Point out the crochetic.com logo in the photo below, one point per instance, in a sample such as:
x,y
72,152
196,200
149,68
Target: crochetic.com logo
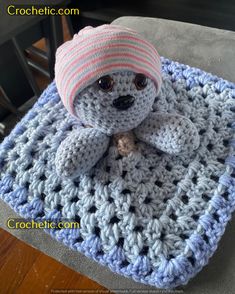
x,y
21,10
22,224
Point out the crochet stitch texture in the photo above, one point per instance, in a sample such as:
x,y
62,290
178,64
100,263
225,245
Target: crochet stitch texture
x,y
151,216
83,148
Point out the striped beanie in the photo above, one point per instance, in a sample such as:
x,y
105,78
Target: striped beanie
x,y
95,52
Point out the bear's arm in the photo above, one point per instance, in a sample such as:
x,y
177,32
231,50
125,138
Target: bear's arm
x,y
171,133
80,151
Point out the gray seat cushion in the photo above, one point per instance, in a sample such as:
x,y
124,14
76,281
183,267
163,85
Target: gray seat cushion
x,y
209,49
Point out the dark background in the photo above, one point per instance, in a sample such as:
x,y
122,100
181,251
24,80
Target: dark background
x,y
217,13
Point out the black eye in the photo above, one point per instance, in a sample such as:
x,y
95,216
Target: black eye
x,y
140,81
105,83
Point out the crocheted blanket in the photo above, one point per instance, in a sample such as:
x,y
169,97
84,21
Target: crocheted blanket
x,y
150,216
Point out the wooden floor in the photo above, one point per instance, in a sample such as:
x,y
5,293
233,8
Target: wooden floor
x,y
24,269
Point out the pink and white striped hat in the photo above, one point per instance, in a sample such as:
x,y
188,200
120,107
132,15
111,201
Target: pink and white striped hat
x,y
95,52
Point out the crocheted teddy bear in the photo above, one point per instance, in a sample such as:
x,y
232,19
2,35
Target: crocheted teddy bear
x,y
109,77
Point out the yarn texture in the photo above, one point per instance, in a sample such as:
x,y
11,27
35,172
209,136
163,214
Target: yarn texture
x,y
169,132
151,216
108,77
96,52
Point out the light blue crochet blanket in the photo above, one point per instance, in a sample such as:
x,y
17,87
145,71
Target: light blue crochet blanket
x,y
150,216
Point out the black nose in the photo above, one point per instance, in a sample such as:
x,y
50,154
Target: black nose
x,y
123,102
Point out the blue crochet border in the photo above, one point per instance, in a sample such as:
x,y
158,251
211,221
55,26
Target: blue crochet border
x,y
171,273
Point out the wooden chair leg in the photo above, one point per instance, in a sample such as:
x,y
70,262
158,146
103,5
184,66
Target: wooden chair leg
x,y
23,62
6,103
69,24
54,38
